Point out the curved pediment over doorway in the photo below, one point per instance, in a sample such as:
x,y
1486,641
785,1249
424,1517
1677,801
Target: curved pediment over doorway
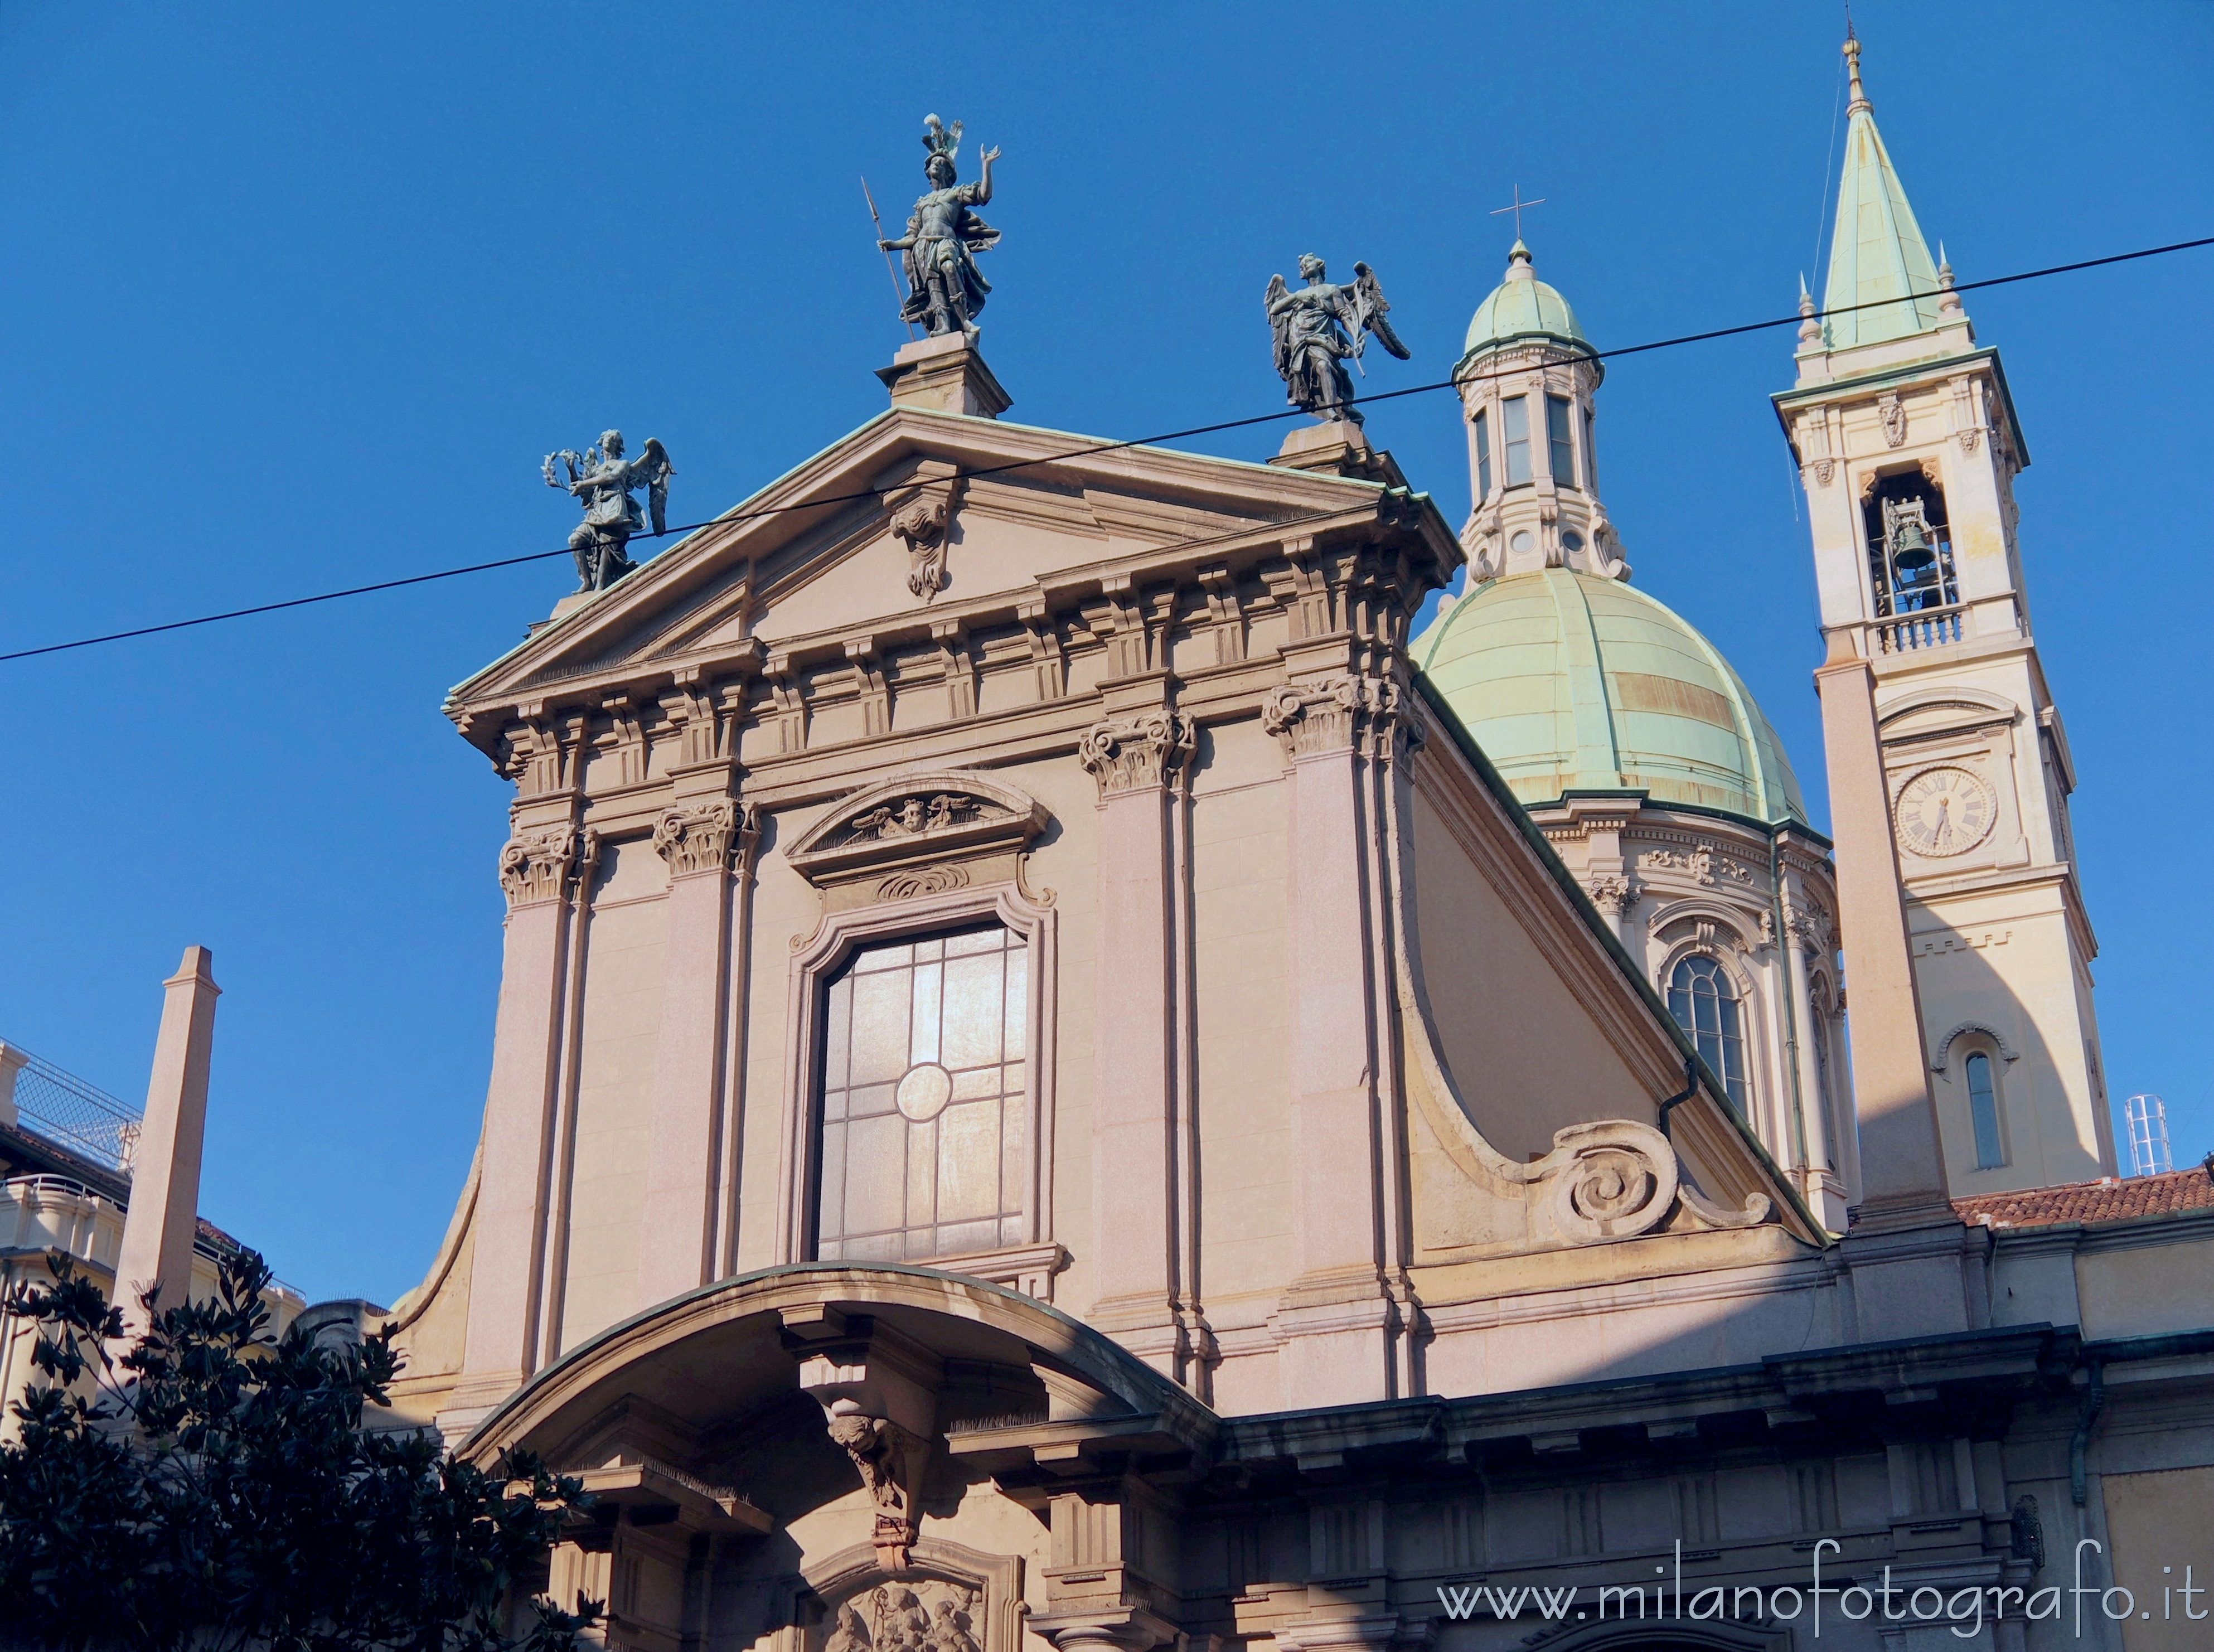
x,y
866,1448
994,1381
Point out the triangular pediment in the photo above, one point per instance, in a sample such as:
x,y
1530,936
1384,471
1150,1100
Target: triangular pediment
x,y
835,548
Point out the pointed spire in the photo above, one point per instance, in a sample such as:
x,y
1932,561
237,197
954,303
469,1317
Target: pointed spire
x,y
1810,327
1876,249
1519,265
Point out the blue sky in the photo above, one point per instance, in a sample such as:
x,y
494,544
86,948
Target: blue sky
x,y
297,297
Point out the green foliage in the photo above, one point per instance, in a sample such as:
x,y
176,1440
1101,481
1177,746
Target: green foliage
x,y
215,1487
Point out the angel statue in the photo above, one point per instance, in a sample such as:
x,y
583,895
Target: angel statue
x,y
604,481
946,289
1312,328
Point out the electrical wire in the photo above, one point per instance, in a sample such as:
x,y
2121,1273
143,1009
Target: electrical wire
x,y
1089,450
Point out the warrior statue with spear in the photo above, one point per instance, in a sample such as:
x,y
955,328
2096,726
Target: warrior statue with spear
x,y
946,289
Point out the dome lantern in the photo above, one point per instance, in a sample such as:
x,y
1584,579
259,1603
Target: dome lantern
x,y
1526,379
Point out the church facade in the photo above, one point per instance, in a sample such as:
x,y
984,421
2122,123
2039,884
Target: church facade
x,y
1064,1080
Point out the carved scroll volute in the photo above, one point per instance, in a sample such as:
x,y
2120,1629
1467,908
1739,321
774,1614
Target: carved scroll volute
x,y
1129,754
537,865
1328,714
921,515
704,836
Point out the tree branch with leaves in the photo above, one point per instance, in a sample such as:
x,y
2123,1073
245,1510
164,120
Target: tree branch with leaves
x,y
214,1486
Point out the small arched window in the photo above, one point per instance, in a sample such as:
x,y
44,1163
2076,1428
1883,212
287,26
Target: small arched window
x,y
1703,1000
1984,1110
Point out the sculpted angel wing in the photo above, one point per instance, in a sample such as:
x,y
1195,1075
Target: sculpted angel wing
x,y
654,469
1278,301
1369,298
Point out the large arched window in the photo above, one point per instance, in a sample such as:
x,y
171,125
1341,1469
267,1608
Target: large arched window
x,y
1984,1110
923,1099
1703,1000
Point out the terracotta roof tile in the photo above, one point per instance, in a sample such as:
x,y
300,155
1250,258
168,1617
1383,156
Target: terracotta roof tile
x,y
2109,1199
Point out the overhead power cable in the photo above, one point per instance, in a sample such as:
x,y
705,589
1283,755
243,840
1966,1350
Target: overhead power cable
x,y
1709,335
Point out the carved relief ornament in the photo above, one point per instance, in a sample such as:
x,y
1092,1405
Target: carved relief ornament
x,y
1128,755
1892,412
890,1460
701,837
918,834
922,519
1611,893
1328,714
536,865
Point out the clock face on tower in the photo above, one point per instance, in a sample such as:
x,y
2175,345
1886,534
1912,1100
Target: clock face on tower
x,y
1943,811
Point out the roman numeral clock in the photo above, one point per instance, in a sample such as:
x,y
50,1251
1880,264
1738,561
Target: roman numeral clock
x,y
1943,811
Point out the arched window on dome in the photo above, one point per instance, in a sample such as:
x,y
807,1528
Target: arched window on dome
x,y
1705,1001
1515,415
1560,442
1481,425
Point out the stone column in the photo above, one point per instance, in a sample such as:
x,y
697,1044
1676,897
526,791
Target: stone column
x,y
1336,1317
163,1220
1911,1276
1135,758
536,869
676,1243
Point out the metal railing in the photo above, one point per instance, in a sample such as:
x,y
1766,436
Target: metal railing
x,y
81,1117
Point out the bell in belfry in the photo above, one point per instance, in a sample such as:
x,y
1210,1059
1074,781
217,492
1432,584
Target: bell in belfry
x,y
1911,549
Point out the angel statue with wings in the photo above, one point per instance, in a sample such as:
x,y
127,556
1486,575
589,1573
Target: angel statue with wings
x,y
1321,326
946,289
602,480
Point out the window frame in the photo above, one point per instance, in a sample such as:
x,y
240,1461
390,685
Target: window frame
x,y
1740,998
1991,1155
829,951
1560,439
1480,425
1514,409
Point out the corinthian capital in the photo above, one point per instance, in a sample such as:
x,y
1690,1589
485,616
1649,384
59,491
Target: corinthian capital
x,y
1328,714
537,865
1128,755
700,836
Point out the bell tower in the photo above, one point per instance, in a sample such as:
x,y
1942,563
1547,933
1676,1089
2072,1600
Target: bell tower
x,y
1908,447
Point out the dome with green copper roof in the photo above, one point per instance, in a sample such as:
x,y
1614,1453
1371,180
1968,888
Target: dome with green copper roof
x,y
1572,682
1522,307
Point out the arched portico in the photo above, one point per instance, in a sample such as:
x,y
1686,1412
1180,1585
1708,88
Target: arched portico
x,y
897,1431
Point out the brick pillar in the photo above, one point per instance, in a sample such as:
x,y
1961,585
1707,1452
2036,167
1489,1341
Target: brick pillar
x,y
165,1170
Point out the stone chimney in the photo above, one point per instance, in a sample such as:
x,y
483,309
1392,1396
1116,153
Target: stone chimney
x,y
165,1175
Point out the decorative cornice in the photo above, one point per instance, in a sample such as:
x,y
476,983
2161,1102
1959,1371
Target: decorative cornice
x,y
1129,755
700,837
